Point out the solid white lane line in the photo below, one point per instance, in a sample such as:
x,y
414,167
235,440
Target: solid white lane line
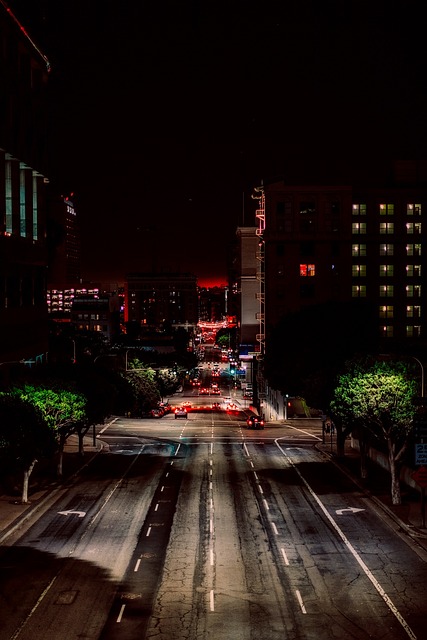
x,y
353,551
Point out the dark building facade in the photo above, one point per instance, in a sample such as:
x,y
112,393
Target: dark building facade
x,y
338,243
153,299
23,250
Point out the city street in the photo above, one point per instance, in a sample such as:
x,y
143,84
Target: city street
x,y
201,528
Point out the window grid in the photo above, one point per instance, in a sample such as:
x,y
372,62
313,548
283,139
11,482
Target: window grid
x,y
358,250
386,227
386,209
386,270
386,249
386,311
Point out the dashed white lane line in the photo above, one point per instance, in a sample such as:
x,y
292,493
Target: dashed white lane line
x,y
138,562
301,604
266,504
148,532
212,601
122,608
285,557
274,528
368,573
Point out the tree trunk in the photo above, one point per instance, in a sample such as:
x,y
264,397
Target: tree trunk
x,y
27,473
81,449
340,442
60,456
363,446
396,497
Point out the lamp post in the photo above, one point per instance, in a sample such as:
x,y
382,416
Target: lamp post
x,y
422,374
388,355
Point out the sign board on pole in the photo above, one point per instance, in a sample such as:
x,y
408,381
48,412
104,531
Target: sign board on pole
x,y
420,453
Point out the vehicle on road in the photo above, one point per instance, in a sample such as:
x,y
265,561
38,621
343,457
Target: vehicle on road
x,y
181,412
255,422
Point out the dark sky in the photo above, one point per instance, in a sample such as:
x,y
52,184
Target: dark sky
x,y
166,114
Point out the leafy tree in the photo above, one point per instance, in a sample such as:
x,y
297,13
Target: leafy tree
x,y
24,437
63,411
376,400
146,392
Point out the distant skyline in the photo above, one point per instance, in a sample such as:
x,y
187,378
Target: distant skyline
x,y
165,116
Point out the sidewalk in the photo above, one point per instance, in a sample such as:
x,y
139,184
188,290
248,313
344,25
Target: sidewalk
x,y
408,516
14,514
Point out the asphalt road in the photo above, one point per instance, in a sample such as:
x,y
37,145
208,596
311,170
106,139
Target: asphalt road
x,y
201,528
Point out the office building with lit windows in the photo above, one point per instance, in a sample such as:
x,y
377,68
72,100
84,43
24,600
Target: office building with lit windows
x,y
339,242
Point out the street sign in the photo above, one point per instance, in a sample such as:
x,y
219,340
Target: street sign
x,y
420,476
421,453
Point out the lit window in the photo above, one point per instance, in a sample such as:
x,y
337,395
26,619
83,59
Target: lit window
x,y
386,227
413,331
386,209
307,270
413,291
413,311
413,249
387,331
358,228
359,209
413,270
413,209
386,311
386,291
386,269
413,228
386,249
358,250
358,270
358,291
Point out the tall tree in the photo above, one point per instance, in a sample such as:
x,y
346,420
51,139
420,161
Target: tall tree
x,y
377,400
63,411
25,437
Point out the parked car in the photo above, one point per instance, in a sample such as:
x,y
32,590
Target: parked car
x,y
255,422
157,413
181,412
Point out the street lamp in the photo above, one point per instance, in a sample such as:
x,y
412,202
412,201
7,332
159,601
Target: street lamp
x,y
422,375
388,355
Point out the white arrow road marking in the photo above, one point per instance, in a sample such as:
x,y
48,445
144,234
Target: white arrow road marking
x,y
81,514
348,510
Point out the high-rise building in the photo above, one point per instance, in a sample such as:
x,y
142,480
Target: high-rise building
x,y
23,253
338,243
341,242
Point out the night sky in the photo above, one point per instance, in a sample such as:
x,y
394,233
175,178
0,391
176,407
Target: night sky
x,y
166,114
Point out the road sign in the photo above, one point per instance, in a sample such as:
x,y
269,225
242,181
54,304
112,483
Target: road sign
x,y
421,453
420,476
